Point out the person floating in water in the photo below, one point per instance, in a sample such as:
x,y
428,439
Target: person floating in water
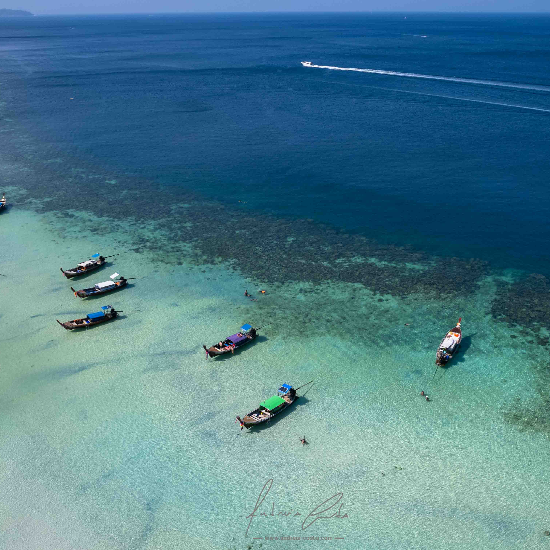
x,y
246,293
424,395
303,441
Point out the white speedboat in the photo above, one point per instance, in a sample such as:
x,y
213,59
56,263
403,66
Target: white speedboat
x,y
306,63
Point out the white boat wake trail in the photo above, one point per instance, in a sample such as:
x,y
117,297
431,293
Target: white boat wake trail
x,y
434,77
498,103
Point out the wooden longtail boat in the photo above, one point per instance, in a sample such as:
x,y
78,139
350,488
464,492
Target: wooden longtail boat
x,y
84,267
449,345
233,342
101,288
286,395
3,202
106,314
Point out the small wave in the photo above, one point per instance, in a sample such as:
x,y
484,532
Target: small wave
x,y
434,77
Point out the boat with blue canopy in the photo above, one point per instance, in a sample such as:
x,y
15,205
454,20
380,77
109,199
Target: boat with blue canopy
x,y
3,202
106,313
82,268
233,342
286,396
101,288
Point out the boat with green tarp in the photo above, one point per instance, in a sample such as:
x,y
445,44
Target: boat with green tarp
x,y
286,396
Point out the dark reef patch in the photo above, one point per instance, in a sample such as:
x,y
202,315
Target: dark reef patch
x,y
525,302
272,250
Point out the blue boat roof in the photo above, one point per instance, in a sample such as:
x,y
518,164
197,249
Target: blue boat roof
x,y
96,315
246,327
96,255
284,389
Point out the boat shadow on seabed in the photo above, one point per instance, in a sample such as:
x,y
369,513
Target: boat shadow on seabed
x,y
459,357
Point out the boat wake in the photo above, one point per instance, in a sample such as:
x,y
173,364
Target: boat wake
x,y
498,103
433,77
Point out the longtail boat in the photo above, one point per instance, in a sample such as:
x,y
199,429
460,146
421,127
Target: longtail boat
x,y
286,396
449,345
101,288
3,202
233,342
105,314
84,267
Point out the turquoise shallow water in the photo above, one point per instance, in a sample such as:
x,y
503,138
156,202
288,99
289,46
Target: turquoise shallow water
x,y
123,436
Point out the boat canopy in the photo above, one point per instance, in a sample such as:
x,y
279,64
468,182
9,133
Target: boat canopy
x,y
284,389
96,255
237,338
105,284
272,402
114,276
246,328
450,340
96,315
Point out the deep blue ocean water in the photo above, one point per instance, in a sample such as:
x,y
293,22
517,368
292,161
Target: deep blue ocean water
x,y
221,105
